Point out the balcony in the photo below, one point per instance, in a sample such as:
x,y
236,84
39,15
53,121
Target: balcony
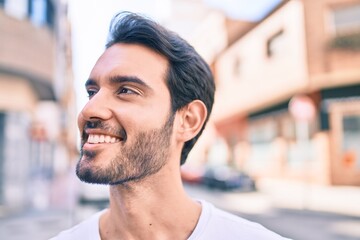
x,y
27,53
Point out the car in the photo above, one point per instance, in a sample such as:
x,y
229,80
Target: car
x,y
227,178
192,175
93,195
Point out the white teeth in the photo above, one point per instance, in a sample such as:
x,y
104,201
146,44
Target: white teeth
x,y
96,138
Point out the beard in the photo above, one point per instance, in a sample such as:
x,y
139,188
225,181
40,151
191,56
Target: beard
x,y
144,157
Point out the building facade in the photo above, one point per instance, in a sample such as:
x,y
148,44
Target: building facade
x,y
36,101
303,47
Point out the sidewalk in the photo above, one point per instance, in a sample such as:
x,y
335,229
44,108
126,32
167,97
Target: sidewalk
x,y
297,195
274,194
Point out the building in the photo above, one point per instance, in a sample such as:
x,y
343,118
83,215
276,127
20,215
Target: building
x,y
36,103
210,32
302,47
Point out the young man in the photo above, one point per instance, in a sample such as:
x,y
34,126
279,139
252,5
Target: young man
x,y
150,96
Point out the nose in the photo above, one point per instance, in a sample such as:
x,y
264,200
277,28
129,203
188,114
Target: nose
x,y
97,108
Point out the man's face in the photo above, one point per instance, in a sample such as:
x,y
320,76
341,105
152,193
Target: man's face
x,y
126,125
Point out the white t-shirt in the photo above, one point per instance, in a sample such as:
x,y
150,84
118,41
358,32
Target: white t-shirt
x,y
213,224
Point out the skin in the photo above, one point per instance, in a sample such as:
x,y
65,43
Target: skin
x,y
155,206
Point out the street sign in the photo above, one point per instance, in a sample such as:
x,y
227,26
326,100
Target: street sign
x,y
302,108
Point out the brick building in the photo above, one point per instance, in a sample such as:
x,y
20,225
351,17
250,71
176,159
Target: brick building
x,y
302,47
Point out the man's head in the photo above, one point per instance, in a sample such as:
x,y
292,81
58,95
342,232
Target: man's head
x,y
188,75
150,95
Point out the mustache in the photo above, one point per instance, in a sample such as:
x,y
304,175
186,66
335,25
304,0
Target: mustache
x,y
98,124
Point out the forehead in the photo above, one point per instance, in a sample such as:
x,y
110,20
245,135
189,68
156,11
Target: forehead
x,y
131,60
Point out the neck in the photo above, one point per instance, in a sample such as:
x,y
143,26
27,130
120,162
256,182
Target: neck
x,y
155,208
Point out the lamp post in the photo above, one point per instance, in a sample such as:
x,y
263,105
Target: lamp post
x,y
302,108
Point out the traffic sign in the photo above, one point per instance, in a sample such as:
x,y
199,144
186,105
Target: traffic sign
x,y
302,108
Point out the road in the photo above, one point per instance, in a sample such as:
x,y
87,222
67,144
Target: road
x,y
302,224
294,223
309,225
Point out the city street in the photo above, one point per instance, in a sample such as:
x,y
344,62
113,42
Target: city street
x,y
119,92
292,222
297,220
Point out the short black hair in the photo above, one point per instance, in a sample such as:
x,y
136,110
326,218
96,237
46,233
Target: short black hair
x,y
188,77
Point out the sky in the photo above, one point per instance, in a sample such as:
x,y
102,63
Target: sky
x,y
250,10
90,21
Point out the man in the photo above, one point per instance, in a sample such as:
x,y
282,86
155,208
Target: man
x,y
150,96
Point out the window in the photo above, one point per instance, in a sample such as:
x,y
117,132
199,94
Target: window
x,y
17,9
346,19
38,12
275,44
351,140
262,130
287,127
41,12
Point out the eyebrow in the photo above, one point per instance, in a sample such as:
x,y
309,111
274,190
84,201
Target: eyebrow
x,y
128,79
90,82
120,79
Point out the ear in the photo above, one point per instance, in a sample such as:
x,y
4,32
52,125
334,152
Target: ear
x,y
190,120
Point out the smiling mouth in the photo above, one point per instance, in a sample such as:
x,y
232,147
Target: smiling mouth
x,y
100,138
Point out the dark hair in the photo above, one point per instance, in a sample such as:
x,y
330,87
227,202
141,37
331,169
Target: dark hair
x,y
189,76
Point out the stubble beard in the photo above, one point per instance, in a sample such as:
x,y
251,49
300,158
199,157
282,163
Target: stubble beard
x,y
143,158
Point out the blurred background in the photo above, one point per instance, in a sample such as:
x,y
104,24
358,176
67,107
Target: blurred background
x,y
283,144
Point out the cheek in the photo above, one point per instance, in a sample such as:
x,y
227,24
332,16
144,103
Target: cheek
x,y
80,122
141,118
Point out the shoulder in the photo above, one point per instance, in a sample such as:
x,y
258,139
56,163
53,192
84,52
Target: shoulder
x,y
216,223
241,227
88,229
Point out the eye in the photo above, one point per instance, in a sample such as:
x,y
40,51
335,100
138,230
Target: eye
x,y
91,92
126,90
